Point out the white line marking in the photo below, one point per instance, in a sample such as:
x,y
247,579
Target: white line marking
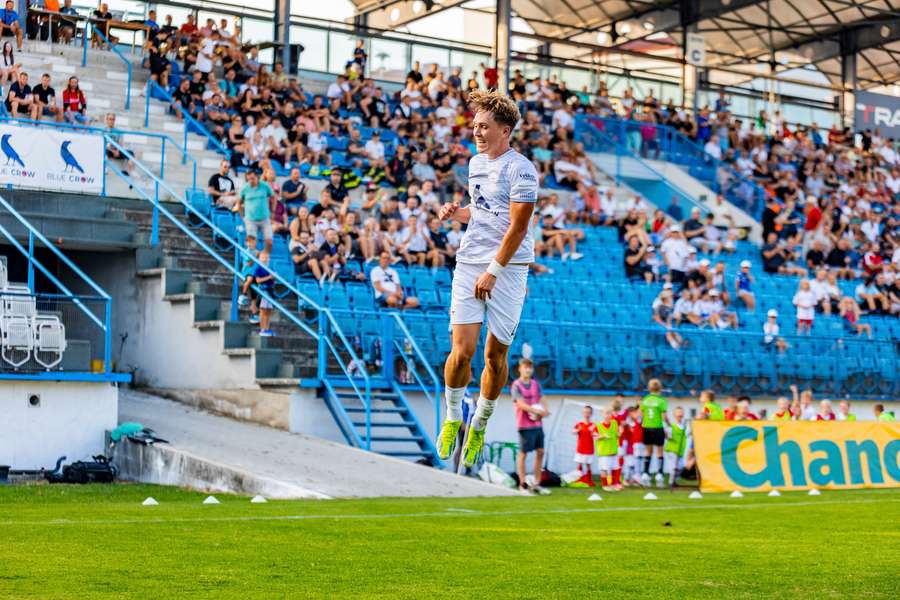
x,y
501,513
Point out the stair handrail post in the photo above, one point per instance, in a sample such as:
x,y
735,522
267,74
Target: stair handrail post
x,y
31,261
107,340
154,228
162,160
387,347
322,354
235,286
147,92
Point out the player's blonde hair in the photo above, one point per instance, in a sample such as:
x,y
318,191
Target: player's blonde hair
x,y
499,105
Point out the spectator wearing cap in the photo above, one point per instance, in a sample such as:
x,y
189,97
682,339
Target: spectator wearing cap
x,y
719,317
771,333
636,268
388,287
375,147
685,310
712,237
743,286
700,277
663,312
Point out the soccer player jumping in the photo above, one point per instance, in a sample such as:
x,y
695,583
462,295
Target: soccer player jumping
x,y
491,267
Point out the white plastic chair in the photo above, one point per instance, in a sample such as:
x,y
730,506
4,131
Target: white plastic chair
x,y
17,300
49,340
16,339
4,276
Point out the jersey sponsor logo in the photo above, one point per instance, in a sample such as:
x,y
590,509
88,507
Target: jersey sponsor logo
x,y
526,195
527,177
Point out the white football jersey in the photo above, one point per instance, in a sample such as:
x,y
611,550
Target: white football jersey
x,y
493,184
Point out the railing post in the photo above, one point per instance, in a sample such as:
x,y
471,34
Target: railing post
x,y
235,286
107,343
387,348
154,232
147,93
162,161
84,44
31,261
128,89
103,191
322,365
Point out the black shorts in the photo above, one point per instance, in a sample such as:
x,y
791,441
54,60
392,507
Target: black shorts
x,y
531,439
654,436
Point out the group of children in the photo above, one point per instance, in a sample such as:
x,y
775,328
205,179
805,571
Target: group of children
x,y
634,446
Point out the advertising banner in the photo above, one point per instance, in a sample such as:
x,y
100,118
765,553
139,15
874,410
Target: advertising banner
x,y
695,49
50,158
877,111
757,456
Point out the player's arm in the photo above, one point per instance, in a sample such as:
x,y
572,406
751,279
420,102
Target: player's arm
x,y
454,212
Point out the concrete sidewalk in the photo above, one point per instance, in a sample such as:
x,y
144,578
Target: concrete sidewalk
x,y
248,458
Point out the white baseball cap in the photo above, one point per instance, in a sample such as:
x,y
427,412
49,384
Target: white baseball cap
x,y
704,262
745,263
667,286
714,292
772,312
675,229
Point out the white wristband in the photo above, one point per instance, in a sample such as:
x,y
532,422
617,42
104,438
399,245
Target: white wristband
x,y
495,268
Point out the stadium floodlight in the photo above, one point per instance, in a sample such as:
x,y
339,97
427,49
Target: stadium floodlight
x,y
395,14
885,31
648,25
417,6
602,38
625,28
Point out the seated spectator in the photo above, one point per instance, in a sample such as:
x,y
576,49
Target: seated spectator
x,y
294,191
19,98
44,101
771,333
870,297
743,286
777,258
663,313
304,254
712,237
75,104
441,253
388,287
815,257
675,251
636,269
221,188
840,261
805,301
850,313
9,23
718,316
694,230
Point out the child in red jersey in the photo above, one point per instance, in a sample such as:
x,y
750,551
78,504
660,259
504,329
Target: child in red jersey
x,y
633,441
586,431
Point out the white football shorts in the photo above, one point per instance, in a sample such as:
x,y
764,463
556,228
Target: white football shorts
x,y
504,308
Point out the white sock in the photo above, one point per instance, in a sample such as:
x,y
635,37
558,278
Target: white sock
x,y
454,398
483,412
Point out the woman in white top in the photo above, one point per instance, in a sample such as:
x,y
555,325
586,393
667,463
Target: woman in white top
x,y
9,68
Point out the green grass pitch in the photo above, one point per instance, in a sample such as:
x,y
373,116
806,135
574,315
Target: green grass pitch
x,y
98,541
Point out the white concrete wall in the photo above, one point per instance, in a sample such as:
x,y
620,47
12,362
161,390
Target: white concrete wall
x,y
169,352
70,421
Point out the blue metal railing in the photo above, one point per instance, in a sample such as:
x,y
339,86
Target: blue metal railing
x,y
96,31
327,329
434,398
592,134
163,139
33,263
666,143
189,121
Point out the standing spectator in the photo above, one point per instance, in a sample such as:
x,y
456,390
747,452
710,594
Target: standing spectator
x,y
221,188
388,288
74,103
9,23
805,301
255,206
675,251
526,394
586,432
263,279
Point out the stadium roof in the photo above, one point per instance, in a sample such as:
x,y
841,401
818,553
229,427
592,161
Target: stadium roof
x,y
740,35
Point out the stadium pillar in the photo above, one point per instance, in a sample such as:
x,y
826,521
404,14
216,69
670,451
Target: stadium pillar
x,y
502,43
848,87
282,25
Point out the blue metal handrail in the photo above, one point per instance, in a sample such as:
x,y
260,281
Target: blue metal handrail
x,y
185,155
622,149
681,149
96,30
326,319
423,360
33,262
197,125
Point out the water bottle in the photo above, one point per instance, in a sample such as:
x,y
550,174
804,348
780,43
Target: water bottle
x,y
407,347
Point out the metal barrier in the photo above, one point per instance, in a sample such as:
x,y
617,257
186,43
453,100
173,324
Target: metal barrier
x,y
199,127
96,31
94,309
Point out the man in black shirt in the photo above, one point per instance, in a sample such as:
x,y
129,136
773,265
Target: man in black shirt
x,y
294,191
182,97
19,98
635,266
103,17
415,74
221,187
815,257
398,168
694,229
441,253
197,87
838,260
336,186
304,253
43,101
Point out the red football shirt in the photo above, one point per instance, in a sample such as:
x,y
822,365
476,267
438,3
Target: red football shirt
x,y
585,431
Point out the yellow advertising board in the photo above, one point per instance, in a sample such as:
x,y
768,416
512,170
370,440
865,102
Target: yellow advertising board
x,y
758,456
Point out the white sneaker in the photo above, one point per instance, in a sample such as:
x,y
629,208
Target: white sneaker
x,y
576,256
645,479
660,481
565,256
541,491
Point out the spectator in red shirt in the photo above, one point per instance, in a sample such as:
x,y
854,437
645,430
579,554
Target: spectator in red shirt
x,y
813,214
743,412
731,408
825,413
74,103
490,76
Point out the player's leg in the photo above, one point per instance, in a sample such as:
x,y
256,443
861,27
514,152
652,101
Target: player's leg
x,y
493,378
457,374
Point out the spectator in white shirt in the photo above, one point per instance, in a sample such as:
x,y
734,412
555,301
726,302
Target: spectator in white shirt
x,y
713,147
805,301
819,288
771,332
339,89
675,251
414,245
387,285
375,147
441,130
